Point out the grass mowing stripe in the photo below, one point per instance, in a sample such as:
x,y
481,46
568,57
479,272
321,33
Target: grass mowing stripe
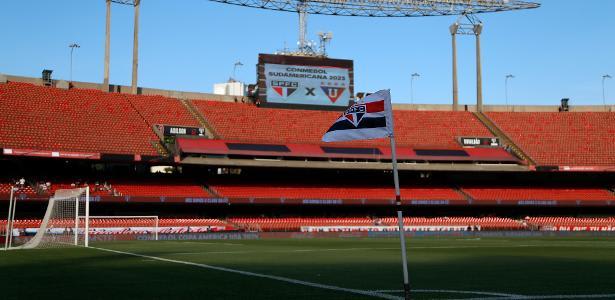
x,y
354,249
273,277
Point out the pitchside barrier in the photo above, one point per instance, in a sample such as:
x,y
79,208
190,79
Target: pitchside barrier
x,y
365,234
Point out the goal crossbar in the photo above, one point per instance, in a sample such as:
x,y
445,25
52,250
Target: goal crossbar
x,y
61,223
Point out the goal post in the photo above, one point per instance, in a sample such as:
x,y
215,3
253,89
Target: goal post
x,y
67,222
7,228
61,226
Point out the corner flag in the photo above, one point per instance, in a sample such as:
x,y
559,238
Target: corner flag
x,y
372,119
368,119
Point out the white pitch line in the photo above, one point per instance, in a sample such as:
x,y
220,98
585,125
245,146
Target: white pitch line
x,y
520,297
453,292
499,296
253,274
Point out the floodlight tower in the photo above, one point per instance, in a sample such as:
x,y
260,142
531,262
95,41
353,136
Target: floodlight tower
x,y
135,48
302,27
453,29
467,24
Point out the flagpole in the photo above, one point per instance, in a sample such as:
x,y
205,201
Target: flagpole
x,y
400,218
340,131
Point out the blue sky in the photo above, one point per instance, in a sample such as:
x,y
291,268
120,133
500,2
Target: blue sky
x,y
559,50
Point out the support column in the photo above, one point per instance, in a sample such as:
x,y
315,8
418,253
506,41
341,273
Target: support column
x,y
453,28
135,49
107,47
478,28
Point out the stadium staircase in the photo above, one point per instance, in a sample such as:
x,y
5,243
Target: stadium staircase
x,y
209,131
162,150
465,195
495,130
211,191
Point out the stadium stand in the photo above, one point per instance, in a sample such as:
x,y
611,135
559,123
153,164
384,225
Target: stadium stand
x,y
162,110
303,191
562,139
486,223
5,188
570,222
307,126
129,222
529,193
167,187
295,223
160,188
45,118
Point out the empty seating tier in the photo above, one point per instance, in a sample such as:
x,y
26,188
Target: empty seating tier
x,y
162,110
332,192
45,118
418,129
571,221
526,193
160,188
295,223
562,139
124,222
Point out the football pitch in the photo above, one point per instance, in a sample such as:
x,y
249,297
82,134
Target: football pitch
x,y
345,268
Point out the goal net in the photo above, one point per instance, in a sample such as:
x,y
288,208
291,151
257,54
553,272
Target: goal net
x,y
67,222
64,224
122,228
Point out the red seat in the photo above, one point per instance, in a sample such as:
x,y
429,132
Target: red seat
x,y
562,139
419,129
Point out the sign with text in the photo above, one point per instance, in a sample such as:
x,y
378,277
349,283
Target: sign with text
x,y
169,130
312,85
304,81
479,141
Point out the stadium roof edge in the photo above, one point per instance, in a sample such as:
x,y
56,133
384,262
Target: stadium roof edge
x,y
398,106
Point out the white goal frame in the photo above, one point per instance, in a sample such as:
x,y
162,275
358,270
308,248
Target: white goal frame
x,y
82,220
8,232
61,196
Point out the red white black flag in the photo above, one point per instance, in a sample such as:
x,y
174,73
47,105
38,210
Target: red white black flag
x,y
368,119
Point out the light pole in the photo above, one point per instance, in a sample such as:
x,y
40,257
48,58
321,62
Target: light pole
x,y
414,75
509,76
237,64
604,77
72,47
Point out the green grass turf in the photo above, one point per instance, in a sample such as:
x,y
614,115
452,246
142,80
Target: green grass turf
x,y
528,266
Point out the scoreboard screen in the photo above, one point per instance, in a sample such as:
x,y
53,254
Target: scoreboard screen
x,y
301,81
